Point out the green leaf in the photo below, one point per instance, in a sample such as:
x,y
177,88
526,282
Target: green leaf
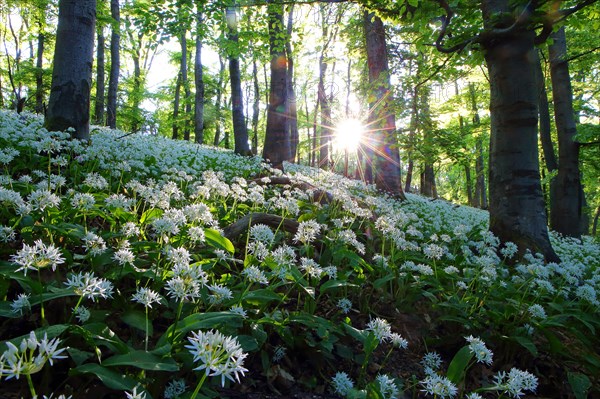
x,y
580,384
248,343
261,297
150,215
380,282
333,284
142,360
137,319
110,378
528,344
413,3
215,239
199,321
458,365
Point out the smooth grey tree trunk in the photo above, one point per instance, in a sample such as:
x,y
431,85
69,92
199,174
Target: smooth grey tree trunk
x,y
240,130
199,79
39,73
292,122
176,101
326,130
115,65
516,208
568,216
217,137
255,107
100,79
69,104
277,140
386,157
186,85
547,144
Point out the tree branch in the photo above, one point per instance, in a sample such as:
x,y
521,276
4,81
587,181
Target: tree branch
x,y
572,58
242,225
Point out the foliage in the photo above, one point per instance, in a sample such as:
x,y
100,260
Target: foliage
x,y
117,250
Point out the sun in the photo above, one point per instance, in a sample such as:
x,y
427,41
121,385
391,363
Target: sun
x,y
348,134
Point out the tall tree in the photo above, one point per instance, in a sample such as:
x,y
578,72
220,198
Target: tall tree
x,y
199,76
516,202
277,140
240,130
69,104
41,9
382,122
115,64
185,83
100,78
292,122
568,216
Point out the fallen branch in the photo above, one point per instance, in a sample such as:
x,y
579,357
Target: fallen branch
x,y
242,225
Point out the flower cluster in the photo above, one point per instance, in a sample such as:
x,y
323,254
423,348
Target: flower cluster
x,y
217,354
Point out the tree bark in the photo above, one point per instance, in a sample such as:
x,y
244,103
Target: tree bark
x,y
255,107
381,117
568,216
100,79
277,140
549,155
186,85
199,79
240,130
69,104
217,138
292,122
516,208
39,73
115,65
176,101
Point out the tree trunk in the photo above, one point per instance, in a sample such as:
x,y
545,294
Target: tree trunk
x,y
516,202
568,216
175,135
469,185
414,115
39,73
325,131
115,65
277,141
381,116
69,104
199,79
240,130
480,187
217,138
255,108
100,79
186,85
292,122
546,136
428,187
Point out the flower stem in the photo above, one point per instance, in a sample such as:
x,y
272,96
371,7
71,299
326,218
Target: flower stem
x,y
146,347
179,309
199,386
31,388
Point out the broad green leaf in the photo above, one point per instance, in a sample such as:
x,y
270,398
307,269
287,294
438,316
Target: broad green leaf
x,y
528,344
150,215
248,343
261,297
110,378
215,239
203,321
458,365
142,360
380,282
137,319
333,284
580,384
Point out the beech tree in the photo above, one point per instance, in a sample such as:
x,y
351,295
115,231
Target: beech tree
x,y
115,64
382,122
69,104
277,140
